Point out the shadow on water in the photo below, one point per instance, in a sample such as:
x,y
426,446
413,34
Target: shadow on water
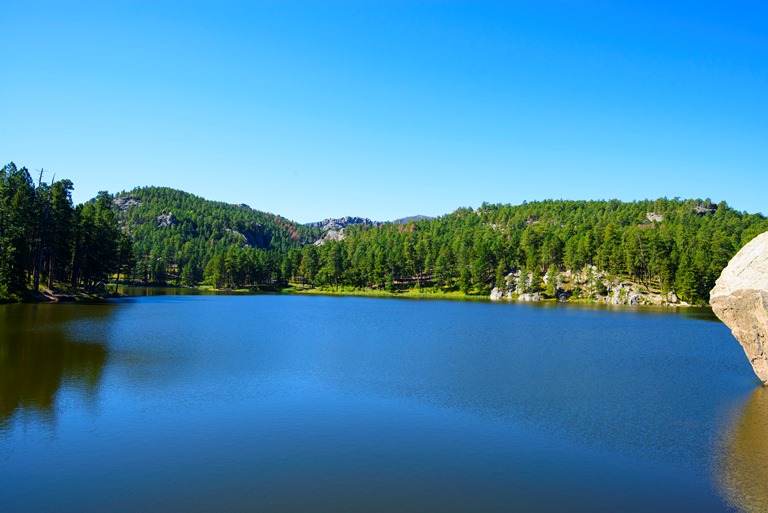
x,y
182,291
40,353
742,467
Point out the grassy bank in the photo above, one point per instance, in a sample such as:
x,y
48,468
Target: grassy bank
x,y
431,293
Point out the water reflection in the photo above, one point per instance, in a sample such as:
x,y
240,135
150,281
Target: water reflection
x,y
181,291
40,352
743,466
456,406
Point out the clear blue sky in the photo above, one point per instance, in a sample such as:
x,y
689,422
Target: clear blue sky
x,y
387,108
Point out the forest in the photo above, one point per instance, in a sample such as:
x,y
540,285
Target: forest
x,y
158,236
666,244
182,239
47,242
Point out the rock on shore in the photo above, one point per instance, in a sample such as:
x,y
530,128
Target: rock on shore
x,y
740,300
587,284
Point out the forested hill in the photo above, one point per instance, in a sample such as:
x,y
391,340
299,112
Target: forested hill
x,y
174,230
667,245
556,248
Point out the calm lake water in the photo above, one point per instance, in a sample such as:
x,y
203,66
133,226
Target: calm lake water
x,y
293,403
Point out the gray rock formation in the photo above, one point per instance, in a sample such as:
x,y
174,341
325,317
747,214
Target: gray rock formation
x,y
740,300
654,217
587,284
125,202
624,294
342,222
332,235
166,219
334,228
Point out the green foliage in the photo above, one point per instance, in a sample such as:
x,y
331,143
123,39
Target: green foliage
x,y
551,288
162,235
664,244
176,235
44,239
97,236
17,230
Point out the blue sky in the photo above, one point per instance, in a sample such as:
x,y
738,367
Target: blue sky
x,y
388,108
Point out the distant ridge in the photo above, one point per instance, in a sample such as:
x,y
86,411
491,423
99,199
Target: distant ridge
x,y
406,220
337,224
342,222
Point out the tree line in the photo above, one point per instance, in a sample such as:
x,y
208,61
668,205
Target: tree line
x,y
46,241
665,244
157,235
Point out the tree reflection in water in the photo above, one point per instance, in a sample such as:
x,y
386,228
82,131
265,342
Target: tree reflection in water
x,y
41,350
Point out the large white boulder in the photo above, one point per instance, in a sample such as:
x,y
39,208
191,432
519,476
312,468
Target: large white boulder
x,y
740,300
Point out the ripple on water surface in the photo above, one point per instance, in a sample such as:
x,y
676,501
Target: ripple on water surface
x,y
346,404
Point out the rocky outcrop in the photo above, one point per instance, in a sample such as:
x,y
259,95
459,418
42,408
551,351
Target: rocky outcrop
x,y
740,300
332,235
165,219
588,284
342,222
334,228
125,202
653,217
623,294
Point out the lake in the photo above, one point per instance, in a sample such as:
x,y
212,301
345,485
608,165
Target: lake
x,y
313,403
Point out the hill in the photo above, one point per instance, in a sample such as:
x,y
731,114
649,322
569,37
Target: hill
x,y
669,246
176,234
554,248
662,250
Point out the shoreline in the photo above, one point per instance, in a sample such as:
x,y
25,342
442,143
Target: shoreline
x,y
476,297
83,296
405,294
60,296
